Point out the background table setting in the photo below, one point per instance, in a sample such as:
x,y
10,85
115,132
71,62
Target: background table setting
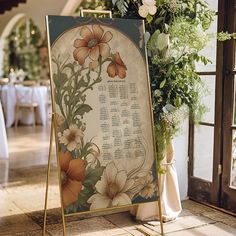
x,y
13,94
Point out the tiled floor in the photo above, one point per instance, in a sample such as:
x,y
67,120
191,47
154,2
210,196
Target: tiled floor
x,y
22,189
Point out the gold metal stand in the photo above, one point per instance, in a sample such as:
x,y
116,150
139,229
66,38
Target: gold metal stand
x,y
53,131
48,178
47,183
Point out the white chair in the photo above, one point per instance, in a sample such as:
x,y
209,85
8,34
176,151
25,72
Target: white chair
x,y
46,83
24,100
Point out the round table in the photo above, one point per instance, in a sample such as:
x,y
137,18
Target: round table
x,y
38,94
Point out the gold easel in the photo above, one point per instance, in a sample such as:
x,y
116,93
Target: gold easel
x,y
53,131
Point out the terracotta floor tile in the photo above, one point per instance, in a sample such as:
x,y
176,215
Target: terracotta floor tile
x,y
195,207
181,223
31,233
30,198
222,217
53,216
17,223
97,226
7,207
216,229
135,232
122,220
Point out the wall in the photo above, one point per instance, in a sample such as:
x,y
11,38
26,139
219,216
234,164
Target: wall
x,y
35,9
181,157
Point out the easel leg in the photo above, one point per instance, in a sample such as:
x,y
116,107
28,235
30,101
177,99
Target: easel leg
x,y
63,221
62,208
60,188
48,177
159,205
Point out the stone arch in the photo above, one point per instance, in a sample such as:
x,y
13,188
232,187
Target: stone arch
x,y
10,25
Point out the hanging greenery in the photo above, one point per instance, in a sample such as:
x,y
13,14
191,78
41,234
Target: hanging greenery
x,y
175,35
21,49
223,36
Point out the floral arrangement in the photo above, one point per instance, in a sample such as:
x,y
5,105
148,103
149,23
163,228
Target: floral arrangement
x,y
20,74
175,35
86,182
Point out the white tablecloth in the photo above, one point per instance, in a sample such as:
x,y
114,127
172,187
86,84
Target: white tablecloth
x,y
39,94
3,136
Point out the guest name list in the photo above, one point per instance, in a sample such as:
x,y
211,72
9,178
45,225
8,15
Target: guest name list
x,y
120,120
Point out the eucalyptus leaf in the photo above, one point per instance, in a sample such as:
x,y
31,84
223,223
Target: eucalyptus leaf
x,y
149,18
122,6
159,20
157,93
162,83
147,36
169,71
166,27
178,102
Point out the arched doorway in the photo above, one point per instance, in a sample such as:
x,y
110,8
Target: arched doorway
x,y
21,39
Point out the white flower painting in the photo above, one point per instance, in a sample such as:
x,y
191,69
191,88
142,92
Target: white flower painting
x,y
71,137
111,189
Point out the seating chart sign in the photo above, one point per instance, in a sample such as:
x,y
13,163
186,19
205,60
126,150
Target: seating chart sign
x,y
102,110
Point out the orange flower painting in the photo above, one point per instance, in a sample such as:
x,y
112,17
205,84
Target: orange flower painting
x,y
72,177
117,67
93,44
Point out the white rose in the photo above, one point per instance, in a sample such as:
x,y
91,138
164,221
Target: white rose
x,y
149,2
143,11
152,10
163,41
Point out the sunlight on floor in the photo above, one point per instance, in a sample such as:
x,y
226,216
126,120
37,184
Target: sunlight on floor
x,y
22,191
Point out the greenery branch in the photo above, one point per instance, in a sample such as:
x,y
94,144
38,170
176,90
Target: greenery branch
x,y
176,32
